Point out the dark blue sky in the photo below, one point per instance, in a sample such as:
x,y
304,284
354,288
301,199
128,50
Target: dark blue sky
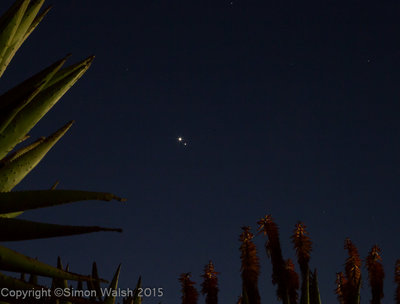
x,y
289,108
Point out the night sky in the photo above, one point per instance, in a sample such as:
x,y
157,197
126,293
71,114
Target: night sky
x,y
288,108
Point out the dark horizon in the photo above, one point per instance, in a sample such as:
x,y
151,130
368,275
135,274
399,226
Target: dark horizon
x,y
289,109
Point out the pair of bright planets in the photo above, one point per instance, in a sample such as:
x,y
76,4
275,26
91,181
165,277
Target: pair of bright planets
x,y
181,141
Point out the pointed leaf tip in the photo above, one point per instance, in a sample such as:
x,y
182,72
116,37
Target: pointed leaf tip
x,y
114,230
113,286
58,134
88,60
17,201
12,229
119,199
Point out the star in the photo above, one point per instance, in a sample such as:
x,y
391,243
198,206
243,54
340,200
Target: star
x,y
180,139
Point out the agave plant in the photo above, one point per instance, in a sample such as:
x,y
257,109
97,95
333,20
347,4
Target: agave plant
x,y
20,109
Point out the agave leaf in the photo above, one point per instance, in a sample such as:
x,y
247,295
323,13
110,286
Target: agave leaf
x,y
110,299
12,229
136,298
93,285
19,36
70,70
26,119
9,113
59,283
16,284
47,98
13,261
12,156
63,283
315,297
13,172
13,101
31,84
96,284
25,200
27,136
36,22
305,288
9,24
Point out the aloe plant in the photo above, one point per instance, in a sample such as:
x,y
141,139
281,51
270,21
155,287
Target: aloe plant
x,y
21,108
250,267
375,274
273,249
189,293
302,245
284,275
210,284
353,273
